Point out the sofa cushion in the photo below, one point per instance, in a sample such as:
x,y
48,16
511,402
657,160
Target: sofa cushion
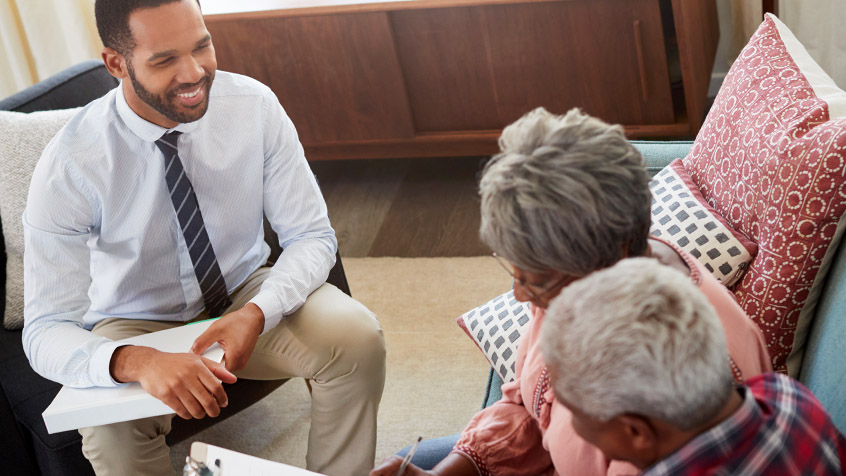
x,y
682,216
771,158
22,139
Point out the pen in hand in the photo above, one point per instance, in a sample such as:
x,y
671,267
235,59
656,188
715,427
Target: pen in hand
x,y
408,456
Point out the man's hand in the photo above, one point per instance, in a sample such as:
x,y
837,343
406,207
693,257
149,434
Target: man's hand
x,y
187,383
237,332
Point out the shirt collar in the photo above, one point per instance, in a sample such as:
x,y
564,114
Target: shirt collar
x,y
710,445
143,128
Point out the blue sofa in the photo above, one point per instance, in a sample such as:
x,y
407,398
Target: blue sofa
x,y
25,444
823,368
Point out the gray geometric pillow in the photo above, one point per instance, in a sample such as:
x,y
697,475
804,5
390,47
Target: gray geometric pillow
x,y
681,216
496,327
22,139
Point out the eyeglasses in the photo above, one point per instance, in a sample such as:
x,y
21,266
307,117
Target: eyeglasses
x,y
534,292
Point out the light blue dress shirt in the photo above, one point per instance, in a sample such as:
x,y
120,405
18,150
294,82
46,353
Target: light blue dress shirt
x,y
102,238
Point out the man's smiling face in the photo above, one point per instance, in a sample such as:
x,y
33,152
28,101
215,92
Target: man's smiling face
x,y
172,65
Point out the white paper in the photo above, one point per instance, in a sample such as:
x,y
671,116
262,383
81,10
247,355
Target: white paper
x,y
233,463
75,408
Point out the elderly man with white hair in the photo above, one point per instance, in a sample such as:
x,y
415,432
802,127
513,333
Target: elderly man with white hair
x,y
638,355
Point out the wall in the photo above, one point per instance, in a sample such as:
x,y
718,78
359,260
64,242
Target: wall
x,y
816,23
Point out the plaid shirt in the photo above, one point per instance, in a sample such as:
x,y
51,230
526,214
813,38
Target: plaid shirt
x,y
780,429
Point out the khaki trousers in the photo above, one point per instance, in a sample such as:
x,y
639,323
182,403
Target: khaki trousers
x,y
332,340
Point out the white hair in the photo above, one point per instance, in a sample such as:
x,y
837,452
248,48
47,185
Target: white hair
x,y
568,193
638,337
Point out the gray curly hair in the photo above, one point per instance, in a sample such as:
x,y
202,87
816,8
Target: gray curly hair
x,y
568,193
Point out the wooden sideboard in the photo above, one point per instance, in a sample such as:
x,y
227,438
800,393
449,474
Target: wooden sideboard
x,y
427,78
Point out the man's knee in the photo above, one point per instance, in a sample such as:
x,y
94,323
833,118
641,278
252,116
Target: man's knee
x,y
366,341
358,339
354,334
330,336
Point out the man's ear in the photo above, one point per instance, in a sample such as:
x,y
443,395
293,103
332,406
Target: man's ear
x,y
640,432
115,63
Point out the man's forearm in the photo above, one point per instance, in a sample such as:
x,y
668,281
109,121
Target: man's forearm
x,y
255,315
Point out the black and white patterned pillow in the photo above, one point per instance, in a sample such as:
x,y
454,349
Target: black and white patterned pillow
x,y
681,216
496,327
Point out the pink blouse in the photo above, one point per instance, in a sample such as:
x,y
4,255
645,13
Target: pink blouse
x,y
528,432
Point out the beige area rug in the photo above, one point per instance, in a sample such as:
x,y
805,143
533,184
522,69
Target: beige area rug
x,y
436,375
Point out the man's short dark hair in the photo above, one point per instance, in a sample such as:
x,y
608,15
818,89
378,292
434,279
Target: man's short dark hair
x,y
112,18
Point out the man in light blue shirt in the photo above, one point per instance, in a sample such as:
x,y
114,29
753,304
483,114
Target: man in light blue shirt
x,y
145,212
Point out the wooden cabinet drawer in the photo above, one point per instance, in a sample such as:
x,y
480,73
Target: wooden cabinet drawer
x,y
476,68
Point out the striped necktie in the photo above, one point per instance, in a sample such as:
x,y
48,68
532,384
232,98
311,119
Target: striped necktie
x,y
184,200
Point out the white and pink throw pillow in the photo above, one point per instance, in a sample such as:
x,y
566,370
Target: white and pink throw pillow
x,y
681,216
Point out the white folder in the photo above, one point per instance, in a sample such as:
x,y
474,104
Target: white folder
x,y
75,408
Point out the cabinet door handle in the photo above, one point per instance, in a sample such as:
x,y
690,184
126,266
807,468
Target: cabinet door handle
x,y
638,36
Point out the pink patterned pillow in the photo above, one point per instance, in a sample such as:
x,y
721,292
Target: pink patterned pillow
x,y
771,158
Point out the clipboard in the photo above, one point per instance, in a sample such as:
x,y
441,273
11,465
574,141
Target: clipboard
x,y
199,451
233,463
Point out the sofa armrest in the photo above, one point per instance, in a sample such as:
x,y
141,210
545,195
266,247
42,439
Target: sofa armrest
x,y
72,87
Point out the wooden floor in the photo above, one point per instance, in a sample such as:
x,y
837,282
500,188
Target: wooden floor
x,y
404,207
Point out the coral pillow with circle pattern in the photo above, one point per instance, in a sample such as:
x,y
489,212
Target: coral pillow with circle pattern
x,y
771,159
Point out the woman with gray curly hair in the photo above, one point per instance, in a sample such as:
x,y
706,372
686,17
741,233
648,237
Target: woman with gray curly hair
x,y
566,196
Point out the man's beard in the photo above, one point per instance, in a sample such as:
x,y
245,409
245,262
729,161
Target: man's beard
x,y
166,104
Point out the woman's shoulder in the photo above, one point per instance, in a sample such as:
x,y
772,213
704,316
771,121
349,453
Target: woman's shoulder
x,y
731,314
